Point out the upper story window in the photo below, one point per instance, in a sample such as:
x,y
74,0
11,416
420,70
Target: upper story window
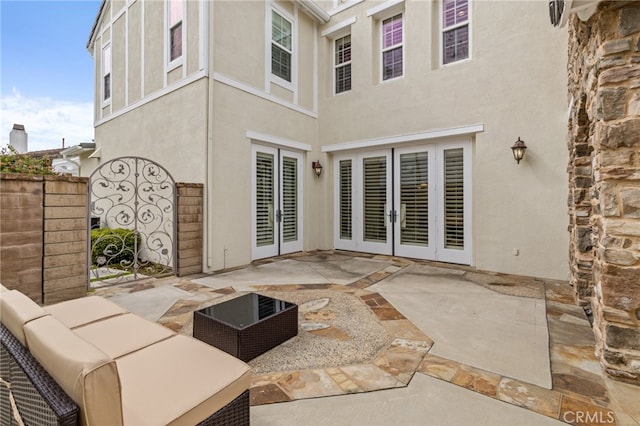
x,y
281,46
392,46
106,73
175,29
342,63
455,30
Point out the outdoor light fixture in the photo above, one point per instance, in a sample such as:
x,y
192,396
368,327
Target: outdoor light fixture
x,y
518,150
317,168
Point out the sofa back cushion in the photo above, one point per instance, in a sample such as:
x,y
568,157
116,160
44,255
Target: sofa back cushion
x,y
86,374
16,310
85,310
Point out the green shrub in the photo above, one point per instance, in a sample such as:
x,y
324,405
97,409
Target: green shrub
x,y
13,162
113,247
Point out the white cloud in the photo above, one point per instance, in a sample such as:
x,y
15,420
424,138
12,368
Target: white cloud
x,y
46,120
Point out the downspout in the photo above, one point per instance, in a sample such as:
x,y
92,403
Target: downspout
x,y
209,145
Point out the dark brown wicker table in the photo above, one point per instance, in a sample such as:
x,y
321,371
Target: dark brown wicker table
x,y
246,326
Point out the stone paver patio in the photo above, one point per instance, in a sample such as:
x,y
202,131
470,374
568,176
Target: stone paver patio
x,y
568,386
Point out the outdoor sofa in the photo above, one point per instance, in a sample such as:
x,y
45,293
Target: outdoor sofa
x,y
90,362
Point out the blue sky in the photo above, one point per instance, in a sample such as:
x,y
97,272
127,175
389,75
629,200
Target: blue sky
x,y
46,72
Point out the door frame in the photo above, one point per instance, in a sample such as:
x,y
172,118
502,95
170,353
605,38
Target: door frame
x,y
436,250
279,246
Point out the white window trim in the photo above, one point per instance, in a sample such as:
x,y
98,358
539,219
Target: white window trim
x,y
408,138
340,29
402,45
106,102
386,9
171,65
442,29
277,141
270,77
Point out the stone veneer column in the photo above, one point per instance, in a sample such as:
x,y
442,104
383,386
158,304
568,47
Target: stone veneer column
x,y
189,256
604,180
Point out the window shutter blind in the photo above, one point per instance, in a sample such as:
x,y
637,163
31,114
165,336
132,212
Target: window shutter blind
x,y
264,199
345,199
453,199
414,199
375,199
289,199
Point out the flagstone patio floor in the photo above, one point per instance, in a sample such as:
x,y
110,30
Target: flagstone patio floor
x,y
441,344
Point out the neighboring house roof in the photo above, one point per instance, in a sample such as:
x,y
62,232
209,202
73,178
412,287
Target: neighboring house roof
x,y
51,153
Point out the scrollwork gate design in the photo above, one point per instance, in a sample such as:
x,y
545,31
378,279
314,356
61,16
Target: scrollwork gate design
x,y
132,221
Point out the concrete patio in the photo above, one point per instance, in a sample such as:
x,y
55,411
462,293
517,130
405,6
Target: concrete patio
x,y
462,347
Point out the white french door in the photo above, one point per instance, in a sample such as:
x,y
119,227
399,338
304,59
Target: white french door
x,y
276,202
416,205
414,202
363,198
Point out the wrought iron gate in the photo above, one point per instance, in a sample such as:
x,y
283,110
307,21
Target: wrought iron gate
x,y
132,221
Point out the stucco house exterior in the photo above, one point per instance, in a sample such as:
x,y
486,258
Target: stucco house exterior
x,y
410,107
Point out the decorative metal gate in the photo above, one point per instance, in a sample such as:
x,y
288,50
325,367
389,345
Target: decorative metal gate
x,y
132,221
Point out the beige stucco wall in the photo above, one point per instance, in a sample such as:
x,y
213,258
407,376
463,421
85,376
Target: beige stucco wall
x,y
514,84
234,113
240,54
170,130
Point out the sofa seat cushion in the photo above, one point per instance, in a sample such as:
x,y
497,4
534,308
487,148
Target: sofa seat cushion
x,y
179,381
16,310
86,374
123,334
77,312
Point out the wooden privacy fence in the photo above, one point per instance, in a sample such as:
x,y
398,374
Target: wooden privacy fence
x,y
44,234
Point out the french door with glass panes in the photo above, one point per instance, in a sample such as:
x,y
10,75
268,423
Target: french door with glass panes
x,y
412,202
276,202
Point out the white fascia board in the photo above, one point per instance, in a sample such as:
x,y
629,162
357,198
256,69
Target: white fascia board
x,y
278,141
400,139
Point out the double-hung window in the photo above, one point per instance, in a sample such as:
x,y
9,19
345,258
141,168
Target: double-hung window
x,y
106,73
455,30
392,47
281,46
175,29
343,63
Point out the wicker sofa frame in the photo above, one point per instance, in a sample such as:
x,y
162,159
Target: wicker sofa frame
x,y
40,400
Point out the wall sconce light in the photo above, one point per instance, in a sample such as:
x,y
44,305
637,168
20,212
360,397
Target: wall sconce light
x,y
518,149
317,168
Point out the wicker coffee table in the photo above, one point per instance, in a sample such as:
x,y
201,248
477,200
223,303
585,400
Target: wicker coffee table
x,y
246,326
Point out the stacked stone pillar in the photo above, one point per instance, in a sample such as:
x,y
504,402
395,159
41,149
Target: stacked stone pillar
x,y
604,179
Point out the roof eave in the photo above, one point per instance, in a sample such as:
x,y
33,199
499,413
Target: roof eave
x,y
95,25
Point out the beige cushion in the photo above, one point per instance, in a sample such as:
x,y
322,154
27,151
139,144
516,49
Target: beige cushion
x,y
179,381
3,288
16,310
123,334
85,373
85,310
